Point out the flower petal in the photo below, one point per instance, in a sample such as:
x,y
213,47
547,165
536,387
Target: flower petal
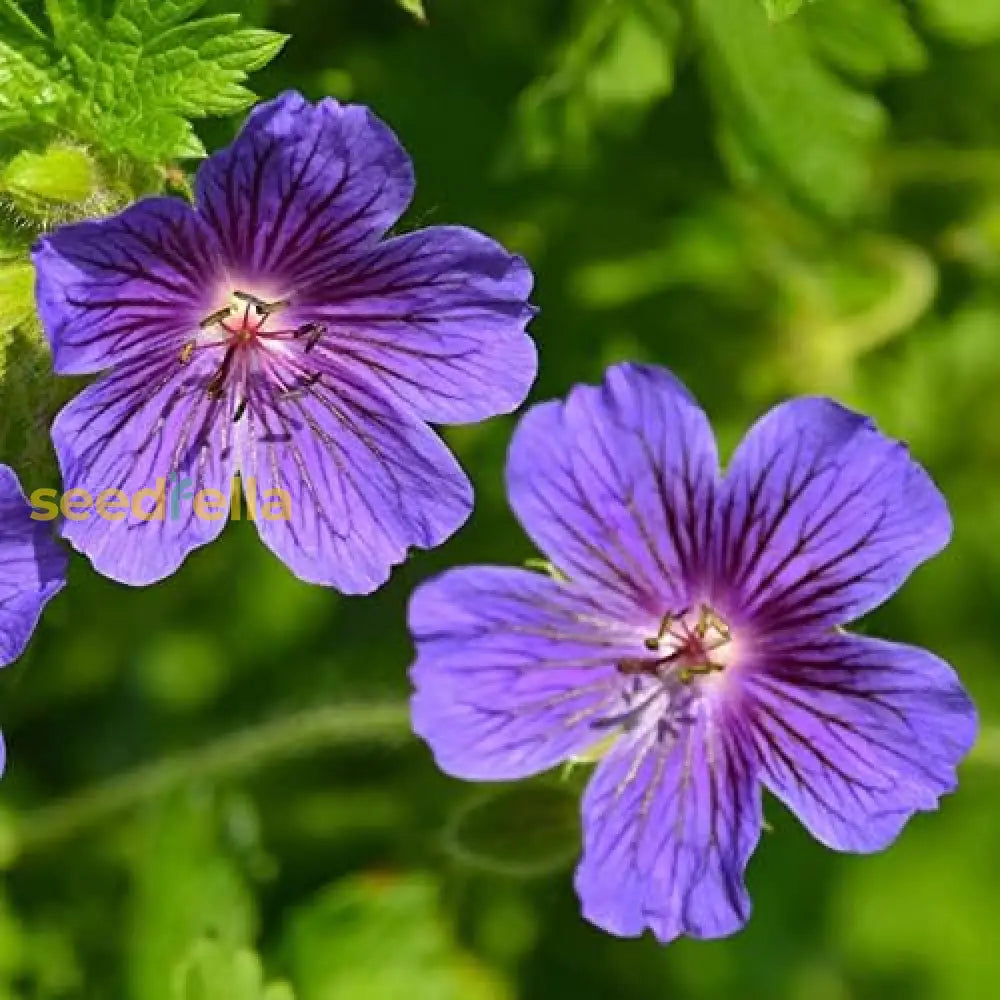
x,y
822,517
144,424
364,480
513,670
438,316
855,735
302,187
615,486
670,820
32,569
116,289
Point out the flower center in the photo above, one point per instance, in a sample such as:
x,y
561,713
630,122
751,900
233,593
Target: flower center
x,y
685,653
686,646
239,330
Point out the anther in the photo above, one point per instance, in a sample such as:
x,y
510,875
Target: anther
x,y
312,332
688,674
302,388
217,317
263,307
186,352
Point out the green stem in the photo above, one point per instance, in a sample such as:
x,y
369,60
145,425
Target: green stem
x,y
941,165
238,754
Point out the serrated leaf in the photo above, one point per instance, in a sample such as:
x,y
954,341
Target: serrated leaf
x,y
784,116
29,90
143,70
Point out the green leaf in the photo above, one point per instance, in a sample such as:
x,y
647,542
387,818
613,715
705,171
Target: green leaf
x,y
615,64
144,70
778,10
29,89
382,938
214,970
29,393
783,115
17,283
186,887
414,7
867,38
967,22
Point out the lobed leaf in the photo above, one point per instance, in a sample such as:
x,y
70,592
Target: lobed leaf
x,y
143,70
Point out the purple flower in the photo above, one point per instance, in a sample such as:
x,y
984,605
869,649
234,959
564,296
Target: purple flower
x,y
272,330
689,638
32,569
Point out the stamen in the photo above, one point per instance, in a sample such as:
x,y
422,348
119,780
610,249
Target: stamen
x,y
240,330
627,719
216,387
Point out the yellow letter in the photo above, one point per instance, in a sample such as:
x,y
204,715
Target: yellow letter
x,y
112,505
210,505
250,491
159,495
44,500
284,502
236,500
76,504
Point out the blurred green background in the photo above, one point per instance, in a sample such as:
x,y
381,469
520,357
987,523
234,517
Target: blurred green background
x,y
211,791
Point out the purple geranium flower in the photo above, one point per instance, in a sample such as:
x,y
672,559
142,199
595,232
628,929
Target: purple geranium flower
x,y
272,330
32,568
689,638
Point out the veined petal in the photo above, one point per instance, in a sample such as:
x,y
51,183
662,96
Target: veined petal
x,y
438,317
616,485
670,819
147,426
514,670
822,517
303,187
364,478
118,289
32,569
855,734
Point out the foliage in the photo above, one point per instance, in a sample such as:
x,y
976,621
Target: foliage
x,y
770,197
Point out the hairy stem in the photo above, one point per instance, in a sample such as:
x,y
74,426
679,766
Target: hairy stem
x,y
238,754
